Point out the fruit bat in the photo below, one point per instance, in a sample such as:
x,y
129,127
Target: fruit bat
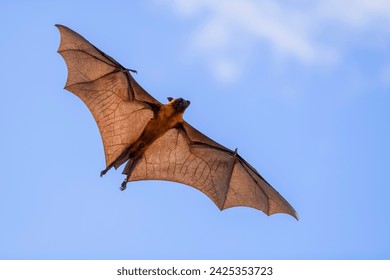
x,y
153,139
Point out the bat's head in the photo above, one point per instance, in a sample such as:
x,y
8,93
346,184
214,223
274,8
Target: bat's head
x,y
179,104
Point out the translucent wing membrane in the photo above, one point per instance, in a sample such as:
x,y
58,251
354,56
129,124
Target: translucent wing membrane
x,y
219,173
118,104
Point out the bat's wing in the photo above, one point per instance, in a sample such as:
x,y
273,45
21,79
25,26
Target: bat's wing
x,y
120,106
187,156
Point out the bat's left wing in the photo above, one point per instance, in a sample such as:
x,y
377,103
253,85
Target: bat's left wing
x,y
120,106
185,155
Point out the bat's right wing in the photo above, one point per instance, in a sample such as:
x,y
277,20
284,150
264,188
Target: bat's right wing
x,y
187,156
120,106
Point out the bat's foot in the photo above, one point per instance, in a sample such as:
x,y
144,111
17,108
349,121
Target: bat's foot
x,y
103,172
123,185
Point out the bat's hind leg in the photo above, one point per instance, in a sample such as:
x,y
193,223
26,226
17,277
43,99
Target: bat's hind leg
x,y
128,170
124,156
124,183
118,162
103,172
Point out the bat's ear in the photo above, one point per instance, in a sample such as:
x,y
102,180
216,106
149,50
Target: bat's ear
x,y
169,99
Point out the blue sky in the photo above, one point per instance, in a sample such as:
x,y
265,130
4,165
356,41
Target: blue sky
x,y
302,89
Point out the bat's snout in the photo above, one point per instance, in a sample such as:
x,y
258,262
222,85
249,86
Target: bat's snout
x,y
183,103
180,104
186,103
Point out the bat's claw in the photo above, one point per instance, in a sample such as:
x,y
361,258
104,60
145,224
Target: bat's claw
x,y
132,70
123,185
103,172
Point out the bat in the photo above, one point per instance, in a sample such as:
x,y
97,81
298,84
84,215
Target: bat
x,y
152,139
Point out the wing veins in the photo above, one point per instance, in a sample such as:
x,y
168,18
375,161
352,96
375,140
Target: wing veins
x,y
92,81
116,65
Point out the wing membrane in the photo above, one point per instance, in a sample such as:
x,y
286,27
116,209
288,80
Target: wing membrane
x,y
121,108
216,171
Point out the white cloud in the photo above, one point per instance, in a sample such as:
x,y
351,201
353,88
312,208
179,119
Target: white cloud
x,y
355,13
297,30
225,70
